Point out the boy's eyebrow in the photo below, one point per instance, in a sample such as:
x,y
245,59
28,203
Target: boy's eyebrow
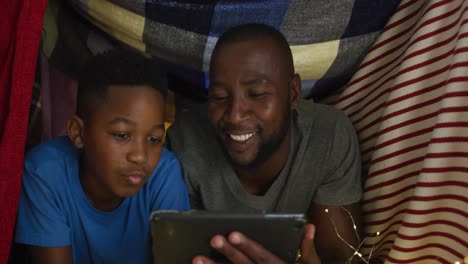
x,y
130,122
159,126
121,120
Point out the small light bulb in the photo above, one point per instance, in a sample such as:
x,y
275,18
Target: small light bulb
x,y
378,233
326,210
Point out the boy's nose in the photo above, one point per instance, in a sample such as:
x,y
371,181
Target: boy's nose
x,y
137,153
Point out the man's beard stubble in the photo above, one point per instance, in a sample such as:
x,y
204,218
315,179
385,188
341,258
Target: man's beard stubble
x,y
267,148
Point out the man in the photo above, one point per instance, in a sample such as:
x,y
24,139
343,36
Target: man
x,y
273,153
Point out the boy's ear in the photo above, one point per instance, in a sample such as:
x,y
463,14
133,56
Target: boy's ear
x,y
75,131
295,94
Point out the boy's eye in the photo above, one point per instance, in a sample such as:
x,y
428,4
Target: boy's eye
x,y
154,140
121,136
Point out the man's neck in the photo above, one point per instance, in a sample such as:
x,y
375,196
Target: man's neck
x,y
258,180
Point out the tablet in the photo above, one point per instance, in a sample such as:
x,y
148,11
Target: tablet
x,y
177,237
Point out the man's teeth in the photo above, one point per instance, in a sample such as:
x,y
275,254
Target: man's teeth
x,y
241,138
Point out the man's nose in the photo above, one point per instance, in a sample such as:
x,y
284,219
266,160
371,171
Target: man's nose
x,y
237,110
138,151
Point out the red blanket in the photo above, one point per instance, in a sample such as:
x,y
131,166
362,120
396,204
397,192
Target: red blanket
x,y
20,31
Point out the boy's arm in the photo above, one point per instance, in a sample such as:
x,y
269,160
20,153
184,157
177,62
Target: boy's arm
x,y
51,255
41,222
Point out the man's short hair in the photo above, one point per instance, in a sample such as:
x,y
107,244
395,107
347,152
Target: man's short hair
x,y
256,31
116,67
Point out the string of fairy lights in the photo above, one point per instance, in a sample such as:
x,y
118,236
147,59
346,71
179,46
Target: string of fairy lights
x,y
357,249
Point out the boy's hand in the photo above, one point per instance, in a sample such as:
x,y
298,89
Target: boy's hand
x,y
240,249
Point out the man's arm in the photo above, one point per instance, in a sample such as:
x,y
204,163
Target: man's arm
x,y
51,255
338,232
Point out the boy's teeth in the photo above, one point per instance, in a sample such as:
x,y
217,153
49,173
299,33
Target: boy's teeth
x,y
241,138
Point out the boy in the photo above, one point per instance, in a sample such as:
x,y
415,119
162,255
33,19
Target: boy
x,y
87,198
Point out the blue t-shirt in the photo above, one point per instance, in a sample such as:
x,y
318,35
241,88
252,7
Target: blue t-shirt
x,y
54,211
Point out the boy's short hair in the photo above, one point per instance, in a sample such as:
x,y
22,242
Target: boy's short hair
x,y
116,67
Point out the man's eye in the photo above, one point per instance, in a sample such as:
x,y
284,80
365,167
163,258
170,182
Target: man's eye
x,y
154,140
217,98
121,136
257,94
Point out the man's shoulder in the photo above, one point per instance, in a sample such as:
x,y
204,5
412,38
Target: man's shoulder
x,y
191,125
320,116
191,137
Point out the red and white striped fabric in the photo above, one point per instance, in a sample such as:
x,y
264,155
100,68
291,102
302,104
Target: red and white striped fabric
x,y
409,104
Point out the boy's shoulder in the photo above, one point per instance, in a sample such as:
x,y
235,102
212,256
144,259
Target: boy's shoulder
x,y
52,149
52,159
166,161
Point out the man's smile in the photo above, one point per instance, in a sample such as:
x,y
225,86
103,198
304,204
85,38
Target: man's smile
x,y
241,138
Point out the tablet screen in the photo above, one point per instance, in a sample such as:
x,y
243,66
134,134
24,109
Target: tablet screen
x,y
177,237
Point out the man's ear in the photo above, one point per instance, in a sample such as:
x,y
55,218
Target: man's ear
x,y
295,94
75,131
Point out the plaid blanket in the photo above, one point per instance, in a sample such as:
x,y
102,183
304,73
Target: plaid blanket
x,y
328,38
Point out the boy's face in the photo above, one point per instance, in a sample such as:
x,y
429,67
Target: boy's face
x,y
122,142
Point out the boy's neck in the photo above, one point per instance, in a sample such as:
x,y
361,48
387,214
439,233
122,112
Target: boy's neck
x,y
96,194
102,203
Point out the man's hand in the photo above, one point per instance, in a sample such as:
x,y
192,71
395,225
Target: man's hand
x,y
240,249
308,253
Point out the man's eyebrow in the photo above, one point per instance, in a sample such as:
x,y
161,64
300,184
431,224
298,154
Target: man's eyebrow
x,y
254,81
216,83
247,82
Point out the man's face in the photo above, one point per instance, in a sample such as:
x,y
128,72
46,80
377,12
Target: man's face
x,y
249,100
123,140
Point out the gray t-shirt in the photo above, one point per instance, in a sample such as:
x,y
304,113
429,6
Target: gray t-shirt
x,y
323,164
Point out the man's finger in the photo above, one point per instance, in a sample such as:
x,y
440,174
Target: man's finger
x,y
202,260
233,254
252,249
308,253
